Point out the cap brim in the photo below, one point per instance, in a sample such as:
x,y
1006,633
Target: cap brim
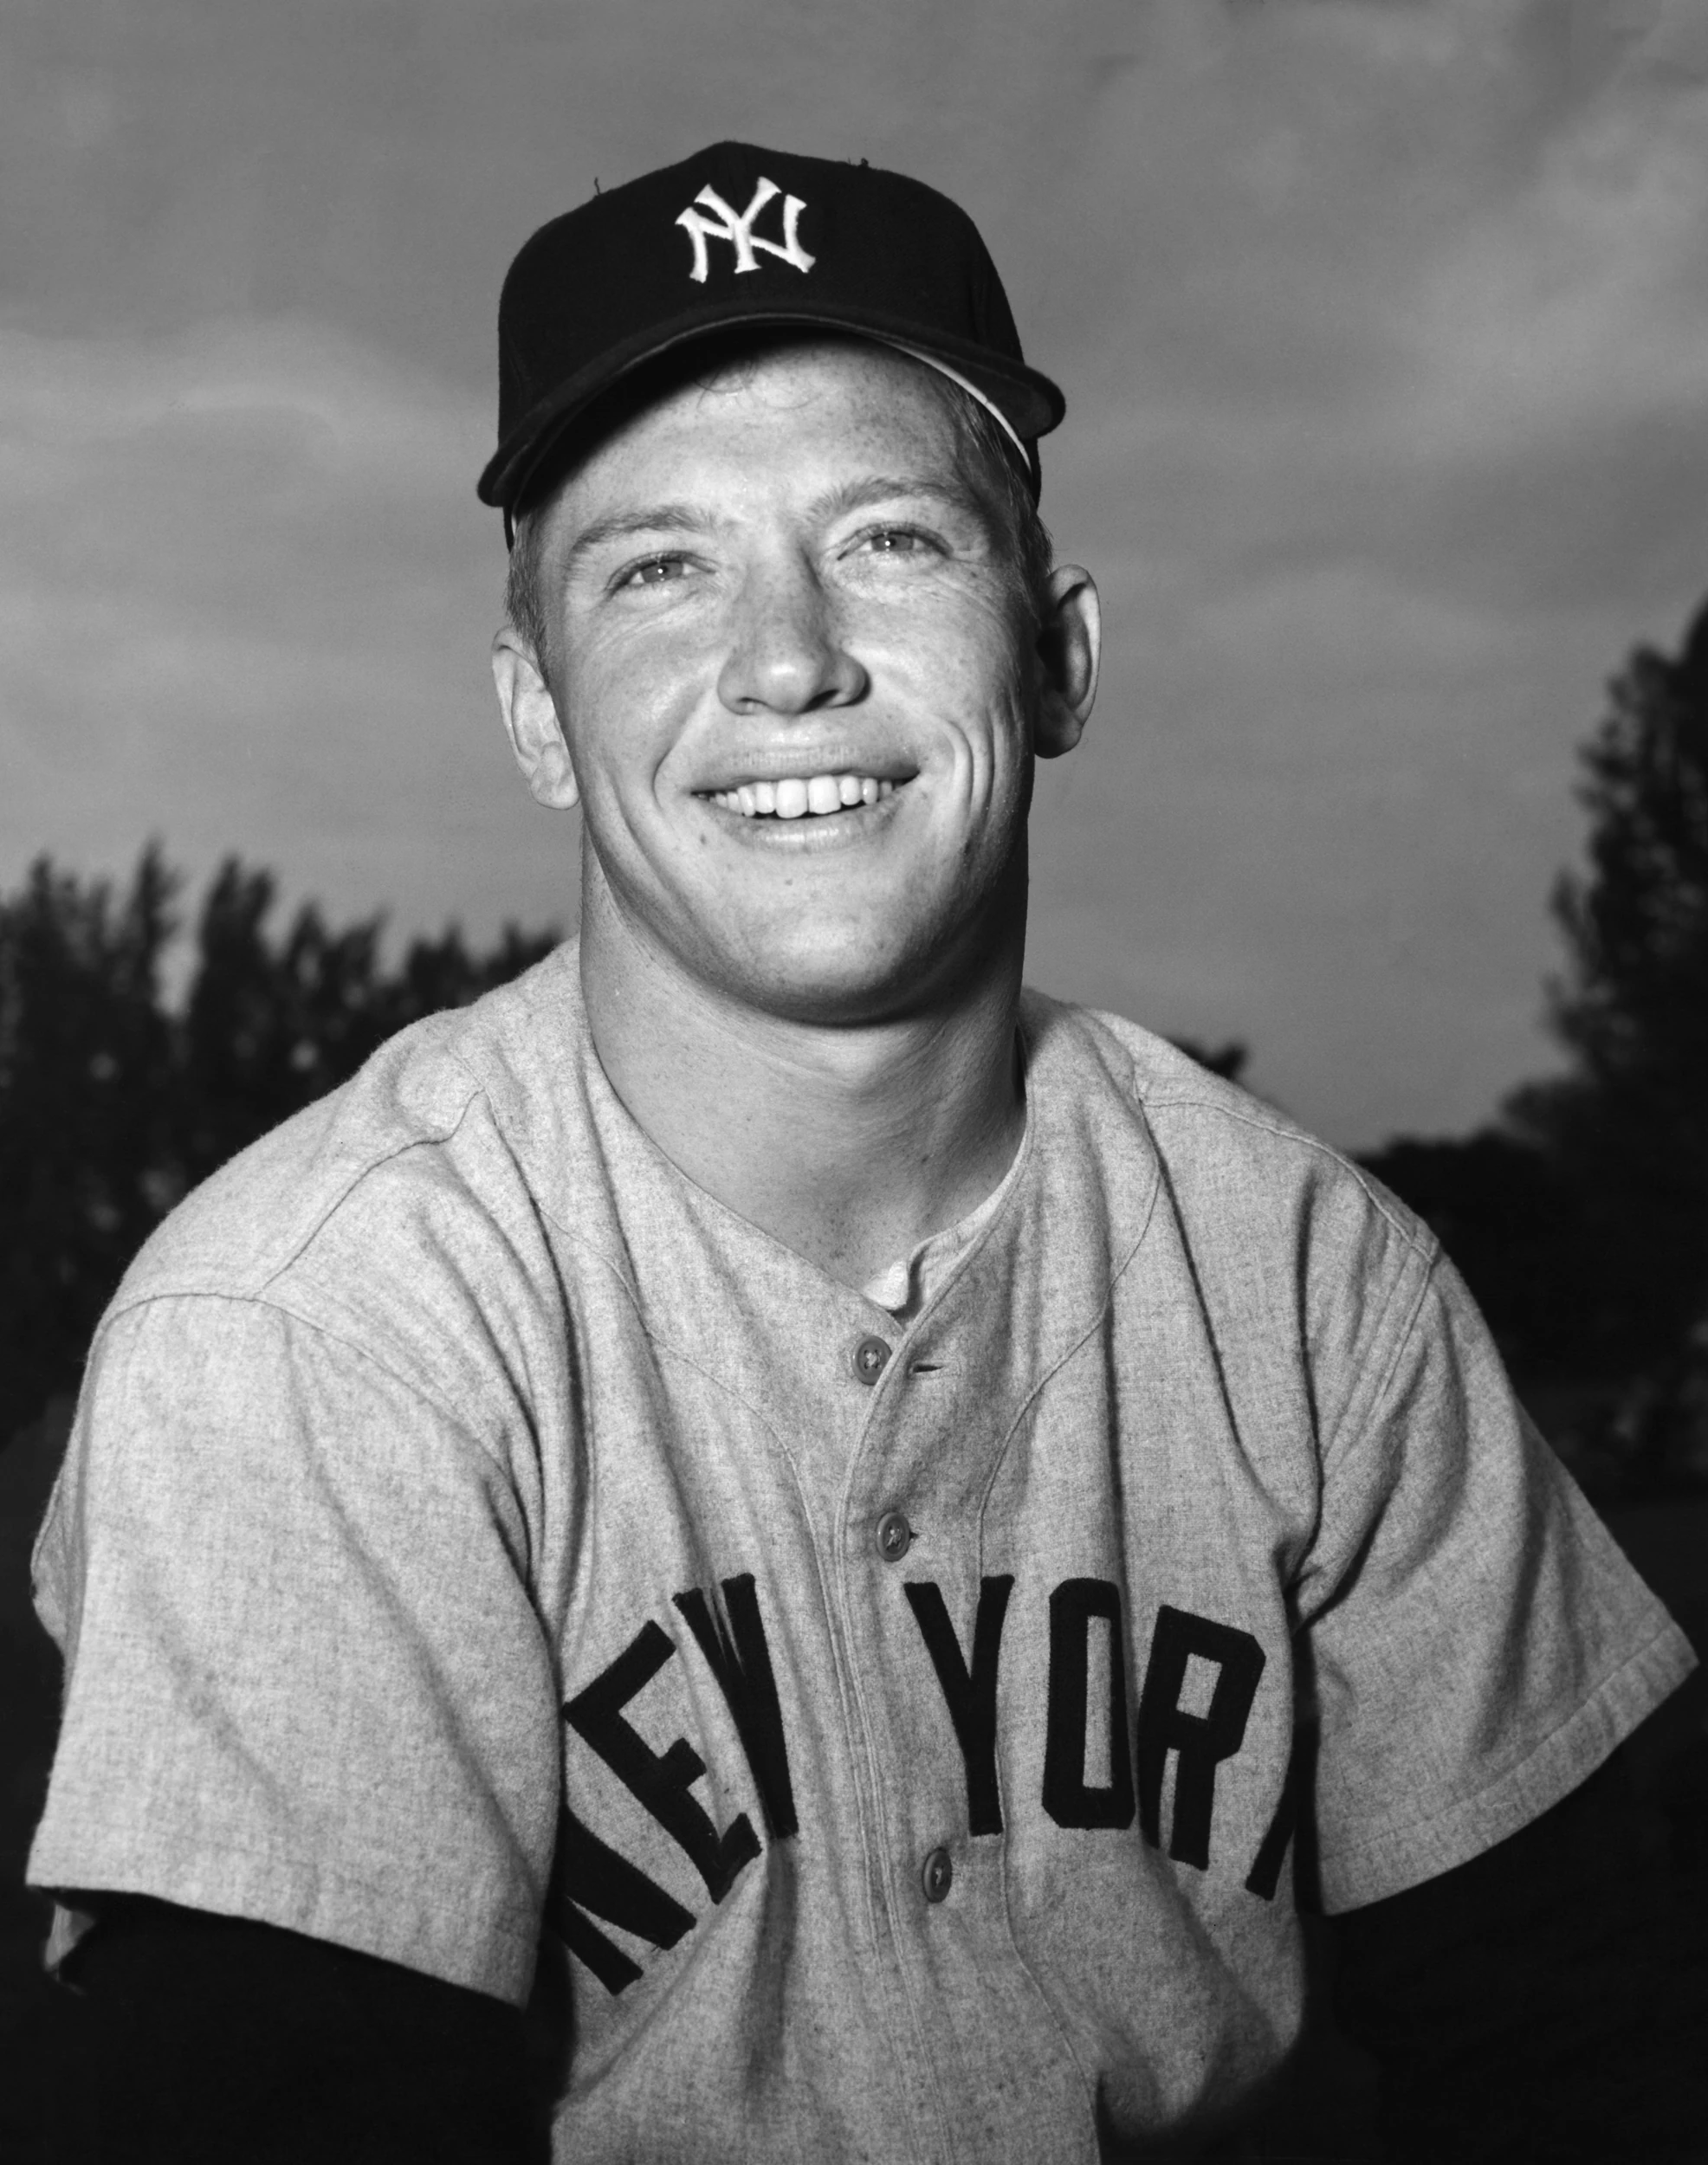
x,y
1029,401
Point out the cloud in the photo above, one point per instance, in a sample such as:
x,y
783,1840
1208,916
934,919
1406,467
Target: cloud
x,y
248,593
1382,328
1389,455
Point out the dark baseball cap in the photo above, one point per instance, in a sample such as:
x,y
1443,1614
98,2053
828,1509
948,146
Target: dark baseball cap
x,y
736,235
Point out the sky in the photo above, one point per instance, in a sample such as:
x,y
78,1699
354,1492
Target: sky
x,y
1383,326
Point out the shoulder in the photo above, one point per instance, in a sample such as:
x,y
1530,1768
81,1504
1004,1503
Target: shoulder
x,y
1229,1160
366,1294
1304,1264
407,1192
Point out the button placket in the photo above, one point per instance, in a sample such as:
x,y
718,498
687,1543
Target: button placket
x,y
869,1358
894,1536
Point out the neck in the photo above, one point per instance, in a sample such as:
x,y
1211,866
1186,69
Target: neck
x,y
847,1143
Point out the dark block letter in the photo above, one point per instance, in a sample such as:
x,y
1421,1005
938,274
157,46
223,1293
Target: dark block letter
x,y
585,1875
740,1661
1067,1798
661,1783
970,1694
1264,1875
1203,1740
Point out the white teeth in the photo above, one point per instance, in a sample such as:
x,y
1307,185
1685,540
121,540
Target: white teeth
x,y
796,796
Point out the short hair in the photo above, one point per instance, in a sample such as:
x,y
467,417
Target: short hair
x,y
987,452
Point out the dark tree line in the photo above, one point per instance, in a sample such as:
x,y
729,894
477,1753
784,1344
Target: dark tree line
x,y
1580,1217
115,1101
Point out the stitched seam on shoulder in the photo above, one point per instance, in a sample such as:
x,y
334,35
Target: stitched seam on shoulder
x,y
1428,1251
372,1166
271,1306
1362,1406
1428,1246
1104,1036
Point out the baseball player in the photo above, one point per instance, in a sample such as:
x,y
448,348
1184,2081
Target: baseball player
x,y
765,1546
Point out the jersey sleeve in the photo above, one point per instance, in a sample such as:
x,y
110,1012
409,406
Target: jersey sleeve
x,y
1475,1642
306,1683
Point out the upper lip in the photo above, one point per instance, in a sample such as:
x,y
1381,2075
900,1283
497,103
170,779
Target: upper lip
x,y
782,762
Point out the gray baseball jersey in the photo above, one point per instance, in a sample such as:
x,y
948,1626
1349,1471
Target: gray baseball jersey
x,y
891,1738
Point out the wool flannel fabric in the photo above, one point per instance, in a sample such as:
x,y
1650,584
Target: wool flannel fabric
x,y
479,1547
736,236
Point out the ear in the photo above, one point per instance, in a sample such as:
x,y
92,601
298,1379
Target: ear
x,y
1070,647
531,721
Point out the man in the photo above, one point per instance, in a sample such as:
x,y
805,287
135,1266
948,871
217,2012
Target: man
x,y
850,1538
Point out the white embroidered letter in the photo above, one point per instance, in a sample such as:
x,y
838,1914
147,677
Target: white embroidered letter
x,y
738,230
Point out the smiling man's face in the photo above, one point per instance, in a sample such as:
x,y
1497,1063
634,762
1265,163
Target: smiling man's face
x,y
798,685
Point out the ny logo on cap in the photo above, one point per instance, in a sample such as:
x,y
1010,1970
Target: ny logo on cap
x,y
738,230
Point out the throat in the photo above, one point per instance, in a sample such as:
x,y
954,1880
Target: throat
x,y
884,1242
848,1144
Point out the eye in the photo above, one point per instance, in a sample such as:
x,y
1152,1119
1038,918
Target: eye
x,y
898,542
653,570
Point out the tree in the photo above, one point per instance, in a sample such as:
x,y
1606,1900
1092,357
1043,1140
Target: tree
x,y
1580,1219
1629,1126
112,1104
1637,1014
86,1061
1499,1207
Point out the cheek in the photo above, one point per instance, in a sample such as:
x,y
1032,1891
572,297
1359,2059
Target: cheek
x,y
984,706
622,715
967,664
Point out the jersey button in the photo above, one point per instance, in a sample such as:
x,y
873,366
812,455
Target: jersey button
x,y
869,1358
895,1537
938,1875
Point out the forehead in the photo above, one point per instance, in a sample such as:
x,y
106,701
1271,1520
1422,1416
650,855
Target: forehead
x,y
854,400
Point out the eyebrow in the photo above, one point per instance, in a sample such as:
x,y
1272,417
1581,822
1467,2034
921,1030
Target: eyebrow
x,y
622,525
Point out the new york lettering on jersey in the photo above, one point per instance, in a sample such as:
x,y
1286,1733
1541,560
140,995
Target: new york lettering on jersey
x,y
1199,1684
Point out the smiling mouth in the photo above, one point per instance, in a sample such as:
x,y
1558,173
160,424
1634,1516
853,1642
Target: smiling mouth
x,y
802,796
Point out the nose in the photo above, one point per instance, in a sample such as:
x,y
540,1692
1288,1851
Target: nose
x,y
786,652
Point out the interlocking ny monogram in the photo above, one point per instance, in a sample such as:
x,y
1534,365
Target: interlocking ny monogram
x,y
738,230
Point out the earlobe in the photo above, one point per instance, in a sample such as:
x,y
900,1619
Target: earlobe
x,y
1069,647
531,722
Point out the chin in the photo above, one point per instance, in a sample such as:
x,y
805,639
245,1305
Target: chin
x,y
846,995
850,980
